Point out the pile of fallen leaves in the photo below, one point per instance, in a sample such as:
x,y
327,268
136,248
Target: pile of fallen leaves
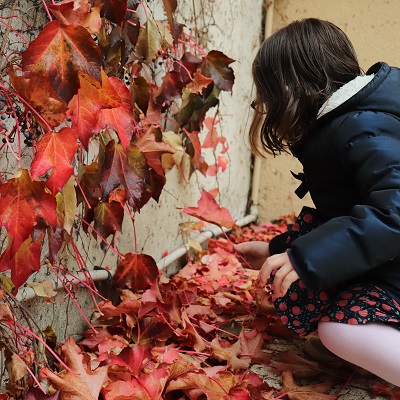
x,y
193,336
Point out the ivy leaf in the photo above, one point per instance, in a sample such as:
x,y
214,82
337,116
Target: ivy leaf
x,y
194,150
84,384
215,65
171,88
77,12
39,94
127,168
141,90
85,107
43,288
152,37
194,108
55,152
199,82
135,271
22,262
22,203
59,53
115,10
223,351
108,219
210,211
120,118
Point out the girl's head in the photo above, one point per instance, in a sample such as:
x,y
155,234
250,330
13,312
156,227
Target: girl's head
x,y
295,71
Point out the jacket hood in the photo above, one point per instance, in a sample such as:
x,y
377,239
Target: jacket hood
x,y
381,93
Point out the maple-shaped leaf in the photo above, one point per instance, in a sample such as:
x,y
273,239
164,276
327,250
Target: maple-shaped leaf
x,y
199,82
212,139
153,36
135,271
310,392
83,384
55,152
40,95
77,12
108,219
223,351
115,10
214,387
120,118
215,65
22,203
60,53
23,262
85,107
210,211
127,168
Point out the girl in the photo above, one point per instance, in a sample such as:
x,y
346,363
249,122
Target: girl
x,y
338,269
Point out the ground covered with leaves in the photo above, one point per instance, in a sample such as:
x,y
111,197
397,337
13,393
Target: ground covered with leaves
x,y
205,333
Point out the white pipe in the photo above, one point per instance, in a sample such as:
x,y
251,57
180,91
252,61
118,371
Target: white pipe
x,y
27,293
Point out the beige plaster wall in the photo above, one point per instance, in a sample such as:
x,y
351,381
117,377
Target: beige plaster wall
x,y
373,27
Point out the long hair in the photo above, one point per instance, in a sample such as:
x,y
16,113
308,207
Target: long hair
x,y
295,71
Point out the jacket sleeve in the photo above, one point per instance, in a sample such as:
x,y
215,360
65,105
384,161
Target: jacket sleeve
x,y
368,145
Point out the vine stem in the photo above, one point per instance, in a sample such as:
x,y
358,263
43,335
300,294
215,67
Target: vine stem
x,y
113,249
47,10
75,302
45,345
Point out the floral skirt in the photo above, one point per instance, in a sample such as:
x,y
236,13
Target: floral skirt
x,y
352,303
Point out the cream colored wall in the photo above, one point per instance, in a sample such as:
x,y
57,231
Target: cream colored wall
x,y
373,27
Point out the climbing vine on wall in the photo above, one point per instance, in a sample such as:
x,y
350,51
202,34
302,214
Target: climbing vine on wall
x,y
96,107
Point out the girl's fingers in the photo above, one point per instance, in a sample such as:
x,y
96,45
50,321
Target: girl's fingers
x,y
291,277
273,262
280,276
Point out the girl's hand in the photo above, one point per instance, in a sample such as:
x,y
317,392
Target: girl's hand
x,y
252,254
285,273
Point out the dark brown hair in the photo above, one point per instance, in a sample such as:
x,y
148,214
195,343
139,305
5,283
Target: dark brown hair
x,y
295,71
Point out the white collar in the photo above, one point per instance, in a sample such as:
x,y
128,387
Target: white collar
x,y
344,93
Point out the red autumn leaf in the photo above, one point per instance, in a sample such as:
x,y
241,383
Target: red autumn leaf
x,y
199,82
135,271
212,139
37,394
22,203
194,149
127,168
108,219
85,107
171,88
23,262
60,53
224,351
126,390
215,65
187,67
153,150
55,152
310,392
114,10
77,12
83,384
210,211
39,94
120,118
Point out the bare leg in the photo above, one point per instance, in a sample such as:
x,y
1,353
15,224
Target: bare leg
x,y
374,347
